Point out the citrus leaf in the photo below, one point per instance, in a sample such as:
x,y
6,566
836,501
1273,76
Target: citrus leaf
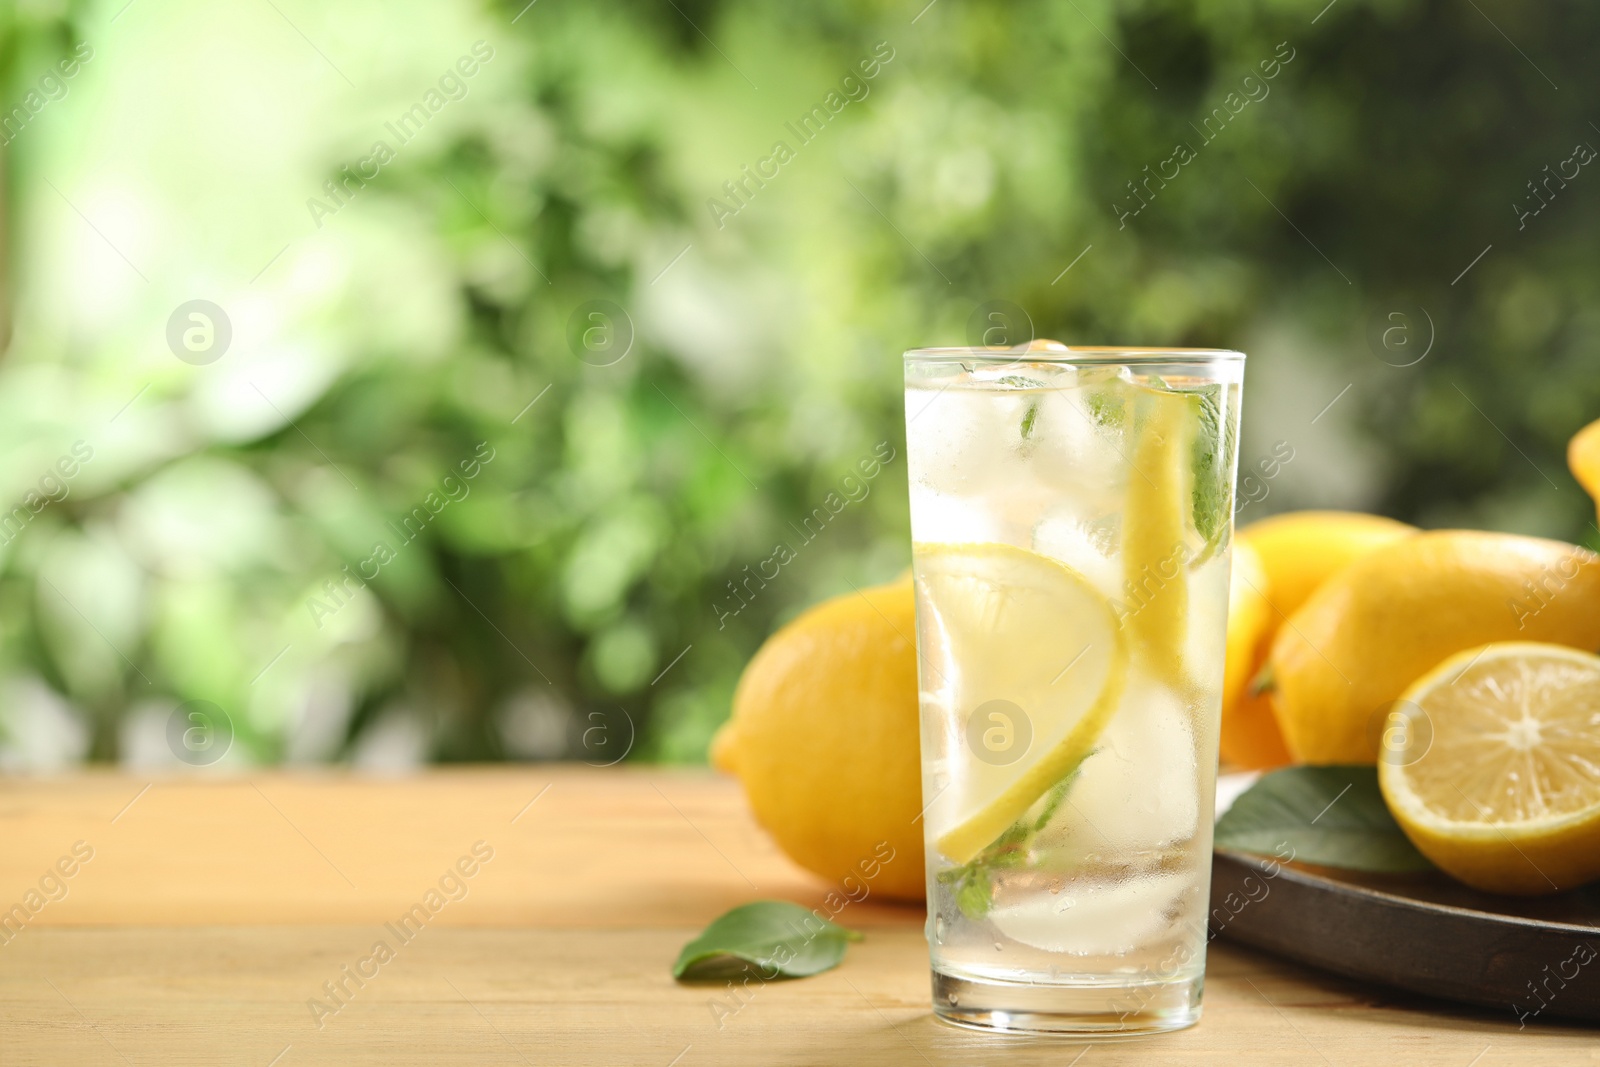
x,y
1332,816
780,939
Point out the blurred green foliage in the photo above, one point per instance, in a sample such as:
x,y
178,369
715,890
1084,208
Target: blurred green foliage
x,y
573,597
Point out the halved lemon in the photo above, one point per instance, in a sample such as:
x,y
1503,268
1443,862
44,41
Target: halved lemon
x,y
1491,765
1023,664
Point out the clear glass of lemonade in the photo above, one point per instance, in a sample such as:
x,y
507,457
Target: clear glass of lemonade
x,y
1071,517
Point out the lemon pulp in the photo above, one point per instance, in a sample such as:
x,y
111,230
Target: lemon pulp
x,y
1491,764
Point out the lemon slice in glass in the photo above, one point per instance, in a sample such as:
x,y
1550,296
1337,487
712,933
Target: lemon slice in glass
x,y
1154,532
1026,662
1491,765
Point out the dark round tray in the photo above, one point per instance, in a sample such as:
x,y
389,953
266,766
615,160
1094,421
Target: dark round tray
x,y
1425,933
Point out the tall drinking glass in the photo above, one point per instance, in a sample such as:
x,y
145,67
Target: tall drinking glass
x,y
1071,516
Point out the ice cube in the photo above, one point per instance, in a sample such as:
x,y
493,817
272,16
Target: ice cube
x,y
1088,547
1205,650
1100,918
1139,791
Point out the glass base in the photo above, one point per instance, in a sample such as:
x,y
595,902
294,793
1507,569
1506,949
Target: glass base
x,y
1105,1007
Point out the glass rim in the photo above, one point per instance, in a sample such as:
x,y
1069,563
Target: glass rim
x,y
1086,355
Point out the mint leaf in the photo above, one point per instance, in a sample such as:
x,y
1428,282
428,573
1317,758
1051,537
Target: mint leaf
x,y
974,892
1107,405
974,896
779,939
1214,445
1028,419
1058,793
1332,816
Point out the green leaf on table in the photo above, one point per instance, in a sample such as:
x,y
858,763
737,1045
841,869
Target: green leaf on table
x,y
779,939
1331,816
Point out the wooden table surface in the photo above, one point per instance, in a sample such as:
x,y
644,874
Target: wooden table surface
x,y
212,911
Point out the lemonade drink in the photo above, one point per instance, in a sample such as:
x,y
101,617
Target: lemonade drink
x,y
1071,513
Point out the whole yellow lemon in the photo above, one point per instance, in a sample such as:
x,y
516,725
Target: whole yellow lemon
x,y
1278,563
1250,736
825,739
1397,612
1583,456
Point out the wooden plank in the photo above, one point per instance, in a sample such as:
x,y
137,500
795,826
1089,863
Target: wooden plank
x,y
215,909
554,998
620,847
